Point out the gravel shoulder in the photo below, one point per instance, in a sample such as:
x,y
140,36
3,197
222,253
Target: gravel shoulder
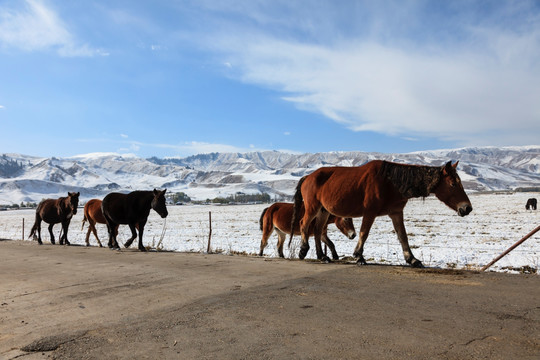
x,y
67,302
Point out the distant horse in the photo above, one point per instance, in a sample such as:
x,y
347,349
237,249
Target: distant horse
x,y
54,211
131,209
371,190
531,204
278,217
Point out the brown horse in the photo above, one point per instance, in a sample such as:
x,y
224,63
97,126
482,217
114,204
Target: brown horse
x,y
278,217
54,211
131,209
371,190
531,203
93,214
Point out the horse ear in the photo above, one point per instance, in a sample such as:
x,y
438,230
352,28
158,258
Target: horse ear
x,y
447,167
155,191
163,192
455,165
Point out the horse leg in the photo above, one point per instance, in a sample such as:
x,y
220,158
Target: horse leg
x,y
112,235
141,230
331,245
367,222
93,228
399,226
305,227
112,229
133,236
65,227
281,240
318,231
51,233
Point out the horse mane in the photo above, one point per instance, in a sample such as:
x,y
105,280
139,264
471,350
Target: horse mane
x,y
411,180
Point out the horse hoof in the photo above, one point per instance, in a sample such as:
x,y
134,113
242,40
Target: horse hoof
x,y
361,261
417,264
326,260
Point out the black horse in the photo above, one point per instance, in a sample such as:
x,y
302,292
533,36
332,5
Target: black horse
x,y
54,211
531,203
131,209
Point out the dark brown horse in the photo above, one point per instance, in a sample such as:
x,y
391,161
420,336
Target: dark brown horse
x,y
371,190
531,204
94,215
278,217
131,209
54,211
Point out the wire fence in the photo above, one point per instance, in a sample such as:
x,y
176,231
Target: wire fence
x,y
437,236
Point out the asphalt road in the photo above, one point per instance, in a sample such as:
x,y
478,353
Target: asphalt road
x,y
73,302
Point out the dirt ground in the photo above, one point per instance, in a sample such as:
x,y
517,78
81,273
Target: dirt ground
x,y
89,303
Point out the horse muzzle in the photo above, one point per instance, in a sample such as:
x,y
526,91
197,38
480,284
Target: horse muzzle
x,y
164,215
464,209
352,235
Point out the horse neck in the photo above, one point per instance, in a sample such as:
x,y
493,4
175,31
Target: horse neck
x,y
147,197
63,203
411,180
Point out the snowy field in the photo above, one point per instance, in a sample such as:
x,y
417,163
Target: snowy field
x,y
438,237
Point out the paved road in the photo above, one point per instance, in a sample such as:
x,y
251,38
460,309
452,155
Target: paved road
x,y
90,303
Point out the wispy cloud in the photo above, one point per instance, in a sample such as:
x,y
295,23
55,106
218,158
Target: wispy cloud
x,y
36,27
392,77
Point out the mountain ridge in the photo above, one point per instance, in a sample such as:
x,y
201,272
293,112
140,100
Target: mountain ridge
x,y
32,178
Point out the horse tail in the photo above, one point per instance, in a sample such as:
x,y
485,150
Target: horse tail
x,y
261,219
298,200
35,226
85,217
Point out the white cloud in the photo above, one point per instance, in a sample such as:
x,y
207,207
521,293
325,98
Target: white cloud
x,y
124,136
2,107
369,87
483,82
36,27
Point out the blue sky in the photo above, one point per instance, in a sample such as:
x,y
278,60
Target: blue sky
x,y
176,78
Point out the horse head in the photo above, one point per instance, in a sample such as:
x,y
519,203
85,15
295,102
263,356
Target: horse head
x,y
450,190
72,201
158,203
346,226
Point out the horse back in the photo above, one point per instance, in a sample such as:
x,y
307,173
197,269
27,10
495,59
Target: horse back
x,y
350,191
281,215
49,211
92,210
127,208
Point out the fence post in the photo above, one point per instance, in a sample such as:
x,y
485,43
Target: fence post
x,y
23,228
511,248
210,233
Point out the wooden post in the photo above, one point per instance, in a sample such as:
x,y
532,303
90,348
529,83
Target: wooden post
x,y
210,233
511,248
23,228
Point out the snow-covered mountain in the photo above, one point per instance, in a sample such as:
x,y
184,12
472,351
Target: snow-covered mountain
x,y
31,178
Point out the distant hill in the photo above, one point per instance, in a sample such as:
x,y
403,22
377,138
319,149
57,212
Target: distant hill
x,y
31,178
